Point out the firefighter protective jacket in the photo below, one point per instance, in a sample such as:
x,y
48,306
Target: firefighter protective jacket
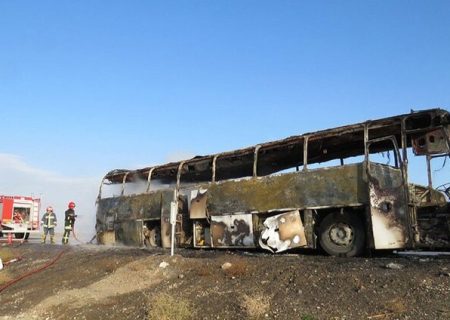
x,y
49,220
69,219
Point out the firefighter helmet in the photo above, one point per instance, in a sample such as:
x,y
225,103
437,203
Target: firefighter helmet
x,y
49,208
71,204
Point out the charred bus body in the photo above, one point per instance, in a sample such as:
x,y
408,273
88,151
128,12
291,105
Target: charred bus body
x,y
270,196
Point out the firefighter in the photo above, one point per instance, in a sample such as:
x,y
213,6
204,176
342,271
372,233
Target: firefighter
x,y
69,221
17,217
49,223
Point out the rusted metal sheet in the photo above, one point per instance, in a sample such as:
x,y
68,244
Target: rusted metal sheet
x,y
232,231
198,204
166,200
114,214
142,206
106,237
434,142
308,224
388,207
130,233
282,232
334,186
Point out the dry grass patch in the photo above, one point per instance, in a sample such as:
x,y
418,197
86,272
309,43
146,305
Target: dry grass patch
x,y
203,270
396,305
256,305
109,266
6,254
137,267
5,276
165,307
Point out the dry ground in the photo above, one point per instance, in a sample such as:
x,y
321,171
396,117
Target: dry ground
x,y
97,282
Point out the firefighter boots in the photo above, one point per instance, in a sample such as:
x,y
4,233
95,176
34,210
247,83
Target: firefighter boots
x,y
65,239
52,239
43,238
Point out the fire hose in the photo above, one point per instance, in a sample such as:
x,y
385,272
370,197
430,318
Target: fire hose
x,y
75,235
76,238
45,266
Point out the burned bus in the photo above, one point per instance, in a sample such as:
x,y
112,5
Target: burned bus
x,y
328,189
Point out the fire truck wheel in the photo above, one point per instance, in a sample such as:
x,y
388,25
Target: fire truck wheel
x,y
342,234
21,235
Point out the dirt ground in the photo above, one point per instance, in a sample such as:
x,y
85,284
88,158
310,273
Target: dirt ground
x,y
98,282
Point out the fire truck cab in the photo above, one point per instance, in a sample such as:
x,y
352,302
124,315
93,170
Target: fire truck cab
x,y
19,215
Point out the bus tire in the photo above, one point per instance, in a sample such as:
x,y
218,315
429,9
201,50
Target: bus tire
x,y
342,235
155,237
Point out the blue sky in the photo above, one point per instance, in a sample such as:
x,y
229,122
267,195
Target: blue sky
x,y
90,86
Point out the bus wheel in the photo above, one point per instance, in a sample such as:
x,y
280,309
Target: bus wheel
x,y
342,235
154,239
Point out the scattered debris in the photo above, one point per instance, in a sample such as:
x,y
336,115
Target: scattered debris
x,y
422,253
163,265
394,266
4,264
381,315
11,261
226,266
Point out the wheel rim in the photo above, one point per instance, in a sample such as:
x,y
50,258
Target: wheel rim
x,y
341,234
155,237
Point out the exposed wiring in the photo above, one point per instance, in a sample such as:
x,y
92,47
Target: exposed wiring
x,y
443,164
45,266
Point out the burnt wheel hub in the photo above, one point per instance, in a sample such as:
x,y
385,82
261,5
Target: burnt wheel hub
x,y
341,234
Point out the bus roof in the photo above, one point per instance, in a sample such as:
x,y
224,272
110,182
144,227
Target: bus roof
x,y
336,143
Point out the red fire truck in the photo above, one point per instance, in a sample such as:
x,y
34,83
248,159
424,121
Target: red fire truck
x,y
19,216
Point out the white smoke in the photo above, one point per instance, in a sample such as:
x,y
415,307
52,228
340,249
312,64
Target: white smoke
x,y
20,178
138,186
